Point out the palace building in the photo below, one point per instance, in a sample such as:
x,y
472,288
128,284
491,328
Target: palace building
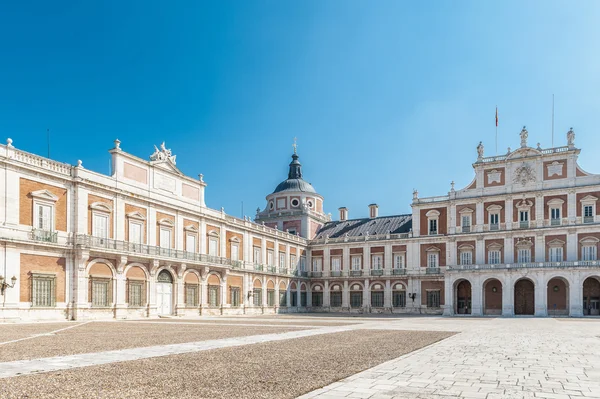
x,y
521,239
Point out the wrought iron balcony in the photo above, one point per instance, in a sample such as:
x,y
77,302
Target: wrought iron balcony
x,y
398,272
494,226
524,224
588,219
554,222
466,229
271,269
376,272
44,235
432,270
283,270
355,273
259,268
527,265
335,273
316,274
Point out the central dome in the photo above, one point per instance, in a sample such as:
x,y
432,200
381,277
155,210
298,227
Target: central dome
x,y
294,185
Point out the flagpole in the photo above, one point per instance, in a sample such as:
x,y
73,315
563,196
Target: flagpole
x,y
496,130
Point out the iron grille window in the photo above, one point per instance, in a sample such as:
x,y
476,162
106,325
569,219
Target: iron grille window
x,y
135,293
556,254
43,290
432,259
399,299
336,299
235,297
524,255
191,294
588,211
303,299
377,299
356,299
294,298
494,221
213,295
588,252
270,297
433,299
494,257
317,299
282,298
101,292
433,227
466,258
257,297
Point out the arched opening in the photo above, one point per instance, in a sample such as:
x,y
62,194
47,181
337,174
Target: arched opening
x,y
492,297
399,296
164,293
335,296
135,293
463,297
524,297
293,295
558,297
377,295
192,290
303,295
591,296
257,297
356,296
282,294
270,293
317,296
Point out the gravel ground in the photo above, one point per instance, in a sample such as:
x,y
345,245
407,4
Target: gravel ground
x,y
275,322
105,336
8,332
282,369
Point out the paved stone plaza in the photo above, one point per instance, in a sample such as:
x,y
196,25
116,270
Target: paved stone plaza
x,y
413,357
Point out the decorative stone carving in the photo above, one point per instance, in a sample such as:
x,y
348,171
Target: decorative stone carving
x,y
524,174
480,149
163,154
524,134
555,168
494,176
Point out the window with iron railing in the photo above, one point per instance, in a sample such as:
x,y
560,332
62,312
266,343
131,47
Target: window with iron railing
x,y
257,297
433,227
303,299
43,290
556,254
191,295
135,297
524,219
336,264
466,257
399,299
466,223
213,295
524,255
317,299
494,221
494,257
588,214
555,217
282,298
234,296
377,299
433,299
356,299
336,299
588,252
101,291
270,297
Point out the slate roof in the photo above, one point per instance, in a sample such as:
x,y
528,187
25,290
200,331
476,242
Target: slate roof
x,y
359,227
294,185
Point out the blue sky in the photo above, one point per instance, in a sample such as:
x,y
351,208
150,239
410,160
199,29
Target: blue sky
x,y
383,96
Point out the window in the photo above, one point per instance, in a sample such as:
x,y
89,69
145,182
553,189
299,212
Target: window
x,y
295,202
292,232
100,292
356,299
165,238
377,262
43,290
293,261
494,219
257,296
190,242
524,219
270,258
432,259
399,299
588,252
336,299
356,262
524,255
588,214
256,255
466,223
555,216
433,299
135,232
294,298
494,257
282,260
44,218
282,297
234,296
100,225
191,295
336,264
213,244
135,293
556,254
303,299
398,261
317,264
213,295
270,297
466,257
303,263
377,299
433,227
317,299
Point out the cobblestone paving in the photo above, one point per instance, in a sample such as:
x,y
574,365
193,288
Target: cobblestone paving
x,y
492,359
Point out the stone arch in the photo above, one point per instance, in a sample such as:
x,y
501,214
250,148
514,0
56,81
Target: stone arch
x,y
164,272
138,266
270,284
316,287
356,294
462,290
557,296
524,296
257,283
191,276
213,279
282,286
492,289
374,283
293,286
303,287
591,295
101,268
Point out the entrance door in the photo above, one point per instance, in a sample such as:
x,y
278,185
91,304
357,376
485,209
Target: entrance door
x,y
164,293
524,297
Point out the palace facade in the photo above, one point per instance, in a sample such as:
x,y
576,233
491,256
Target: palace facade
x,y
521,239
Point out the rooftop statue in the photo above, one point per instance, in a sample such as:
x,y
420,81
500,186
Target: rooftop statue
x,y
524,134
163,154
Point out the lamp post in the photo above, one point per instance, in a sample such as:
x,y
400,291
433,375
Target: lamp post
x,y
4,285
413,296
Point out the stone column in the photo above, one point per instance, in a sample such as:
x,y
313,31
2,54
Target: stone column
x,y
204,289
345,260
387,259
572,245
120,289
367,296
508,308
298,296
326,266
152,307
448,307
478,221
387,296
326,296
223,291
264,293
479,251
452,217
180,287
539,210
509,250
366,260
540,248
508,212
345,296
476,296
576,296
571,207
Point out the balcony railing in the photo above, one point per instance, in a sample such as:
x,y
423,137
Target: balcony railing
x,y
355,273
44,235
494,226
466,229
283,270
336,273
588,219
528,265
554,222
524,224
271,269
376,272
316,274
398,272
433,232
432,270
259,268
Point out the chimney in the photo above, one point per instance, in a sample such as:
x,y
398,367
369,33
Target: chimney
x,y
373,211
343,214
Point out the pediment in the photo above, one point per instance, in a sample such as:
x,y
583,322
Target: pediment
x,y
432,249
44,195
494,208
166,222
466,247
101,207
589,240
555,243
136,215
494,247
523,153
589,198
191,228
168,165
466,210
432,213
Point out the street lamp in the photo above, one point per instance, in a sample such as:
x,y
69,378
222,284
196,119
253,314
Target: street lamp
x,y
412,296
4,285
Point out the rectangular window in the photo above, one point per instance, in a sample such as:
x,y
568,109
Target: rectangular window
x,y
282,260
282,298
494,257
356,299
356,262
135,232
466,258
588,252
336,299
398,261
317,299
524,255
494,219
235,252
377,262
100,226
234,297
213,295
213,244
303,299
257,296
256,255
433,299
191,295
270,258
555,213
165,238
432,259
556,254
270,297
317,264
433,229
399,299
336,264
134,292
466,223
100,292
377,299
588,214
303,263
44,217
43,290
293,264
523,216
294,298
190,242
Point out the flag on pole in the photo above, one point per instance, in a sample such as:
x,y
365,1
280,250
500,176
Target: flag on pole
x,y
496,116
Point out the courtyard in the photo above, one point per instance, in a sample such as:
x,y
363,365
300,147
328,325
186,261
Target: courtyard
x,y
307,356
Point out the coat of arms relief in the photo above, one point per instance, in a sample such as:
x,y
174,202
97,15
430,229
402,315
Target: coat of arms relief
x,y
524,174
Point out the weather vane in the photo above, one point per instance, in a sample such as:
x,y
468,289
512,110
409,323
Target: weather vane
x,y
295,145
